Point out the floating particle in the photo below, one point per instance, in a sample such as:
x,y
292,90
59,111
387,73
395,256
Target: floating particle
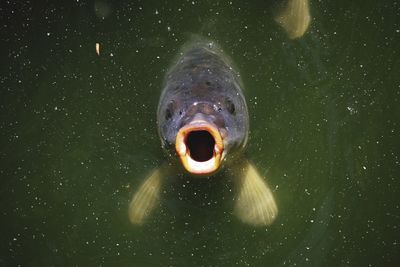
x,y
98,49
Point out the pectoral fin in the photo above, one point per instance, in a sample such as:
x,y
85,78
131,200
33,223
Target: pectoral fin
x,y
146,197
255,203
295,18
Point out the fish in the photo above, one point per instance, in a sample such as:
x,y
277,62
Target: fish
x,y
203,125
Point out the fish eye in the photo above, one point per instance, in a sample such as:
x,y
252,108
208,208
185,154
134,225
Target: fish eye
x,y
230,106
169,111
168,114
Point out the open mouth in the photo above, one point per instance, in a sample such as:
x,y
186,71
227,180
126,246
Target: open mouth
x,y
199,146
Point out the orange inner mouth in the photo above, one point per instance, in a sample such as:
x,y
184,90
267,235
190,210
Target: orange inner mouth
x,y
199,146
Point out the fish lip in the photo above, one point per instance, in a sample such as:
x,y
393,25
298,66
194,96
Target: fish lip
x,y
191,165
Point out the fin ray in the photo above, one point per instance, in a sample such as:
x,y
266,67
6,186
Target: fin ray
x,y
145,198
295,18
255,203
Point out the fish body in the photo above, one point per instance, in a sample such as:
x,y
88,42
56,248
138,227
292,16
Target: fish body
x,y
202,112
203,121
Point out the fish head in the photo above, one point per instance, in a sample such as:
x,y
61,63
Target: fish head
x,y
204,130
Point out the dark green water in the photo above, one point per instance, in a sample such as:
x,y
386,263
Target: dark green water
x,y
78,135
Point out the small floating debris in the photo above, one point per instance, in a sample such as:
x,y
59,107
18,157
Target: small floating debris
x,y
98,49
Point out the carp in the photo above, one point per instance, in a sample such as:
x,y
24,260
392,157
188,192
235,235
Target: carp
x,y
203,124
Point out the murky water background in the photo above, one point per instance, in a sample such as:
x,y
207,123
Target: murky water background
x,y
78,135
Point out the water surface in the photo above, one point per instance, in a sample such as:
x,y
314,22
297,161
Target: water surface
x,y
78,135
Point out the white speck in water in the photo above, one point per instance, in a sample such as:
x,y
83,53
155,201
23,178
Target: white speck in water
x,y
352,110
306,191
364,167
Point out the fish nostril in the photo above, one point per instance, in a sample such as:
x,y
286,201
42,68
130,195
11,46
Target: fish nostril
x,y
201,145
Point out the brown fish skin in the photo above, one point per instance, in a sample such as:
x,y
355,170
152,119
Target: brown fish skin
x,y
202,112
